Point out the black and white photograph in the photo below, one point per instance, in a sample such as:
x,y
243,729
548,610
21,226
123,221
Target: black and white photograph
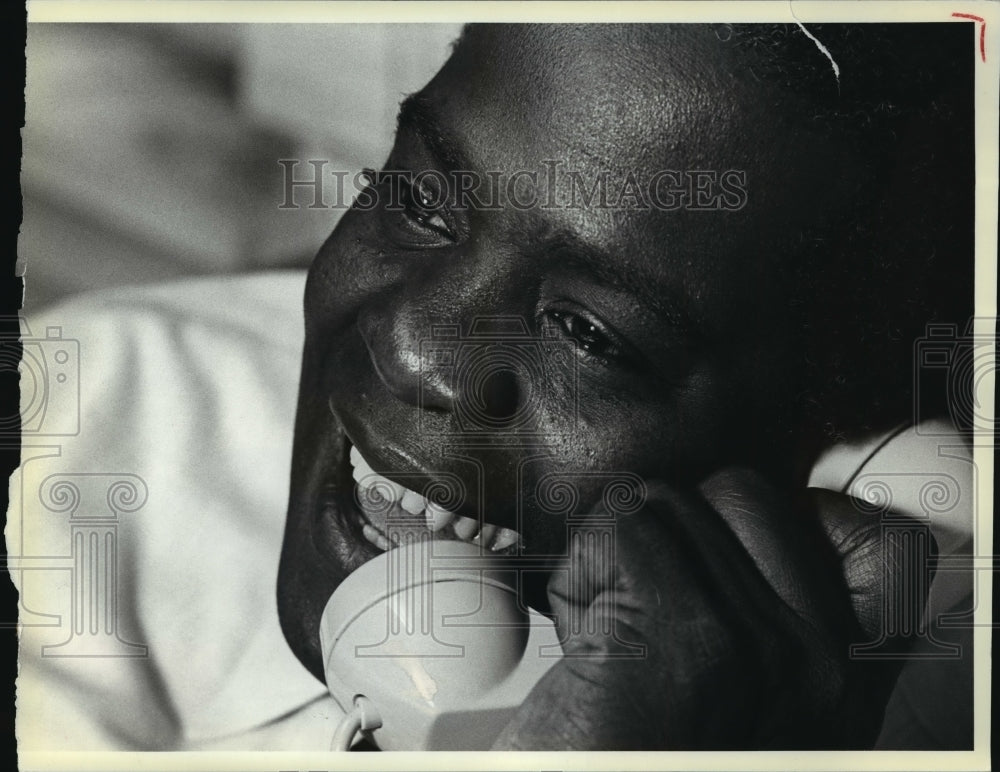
x,y
614,380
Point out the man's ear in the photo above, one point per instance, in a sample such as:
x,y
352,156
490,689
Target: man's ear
x,y
869,556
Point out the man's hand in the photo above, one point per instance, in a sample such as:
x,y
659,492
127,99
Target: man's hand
x,y
745,604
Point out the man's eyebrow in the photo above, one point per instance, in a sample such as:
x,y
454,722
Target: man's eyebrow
x,y
418,115
569,251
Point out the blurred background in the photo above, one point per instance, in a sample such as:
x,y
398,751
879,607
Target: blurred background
x,y
151,151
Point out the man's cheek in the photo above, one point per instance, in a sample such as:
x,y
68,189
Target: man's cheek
x,y
595,469
345,272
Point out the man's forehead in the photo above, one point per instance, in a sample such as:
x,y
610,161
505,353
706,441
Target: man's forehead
x,y
615,100
606,96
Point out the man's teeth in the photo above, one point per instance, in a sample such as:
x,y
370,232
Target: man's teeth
x,y
465,528
412,502
436,517
485,536
505,538
375,537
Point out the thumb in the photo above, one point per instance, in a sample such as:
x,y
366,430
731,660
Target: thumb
x,y
886,558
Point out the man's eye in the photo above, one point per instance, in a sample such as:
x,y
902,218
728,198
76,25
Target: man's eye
x,y
413,208
423,204
589,336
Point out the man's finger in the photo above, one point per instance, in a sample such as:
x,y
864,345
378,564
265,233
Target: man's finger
x,y
784,542
885,563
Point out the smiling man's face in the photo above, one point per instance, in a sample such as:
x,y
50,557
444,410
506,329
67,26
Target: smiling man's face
x,y
485,351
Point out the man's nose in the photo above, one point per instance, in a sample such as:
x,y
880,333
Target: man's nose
x,y
429,364
401,345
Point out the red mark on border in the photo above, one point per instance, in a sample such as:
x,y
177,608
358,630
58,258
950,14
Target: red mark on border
x,y
982,30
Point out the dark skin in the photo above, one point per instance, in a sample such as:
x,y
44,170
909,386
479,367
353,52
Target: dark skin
x,y
739,583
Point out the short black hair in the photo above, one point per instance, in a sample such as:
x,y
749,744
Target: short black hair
x,y
902,99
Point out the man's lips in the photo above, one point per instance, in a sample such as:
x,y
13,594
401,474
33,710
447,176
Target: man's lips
x,y
357,531
389,508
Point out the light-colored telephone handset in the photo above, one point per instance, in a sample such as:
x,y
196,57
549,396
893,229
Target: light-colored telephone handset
x,y
426,647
